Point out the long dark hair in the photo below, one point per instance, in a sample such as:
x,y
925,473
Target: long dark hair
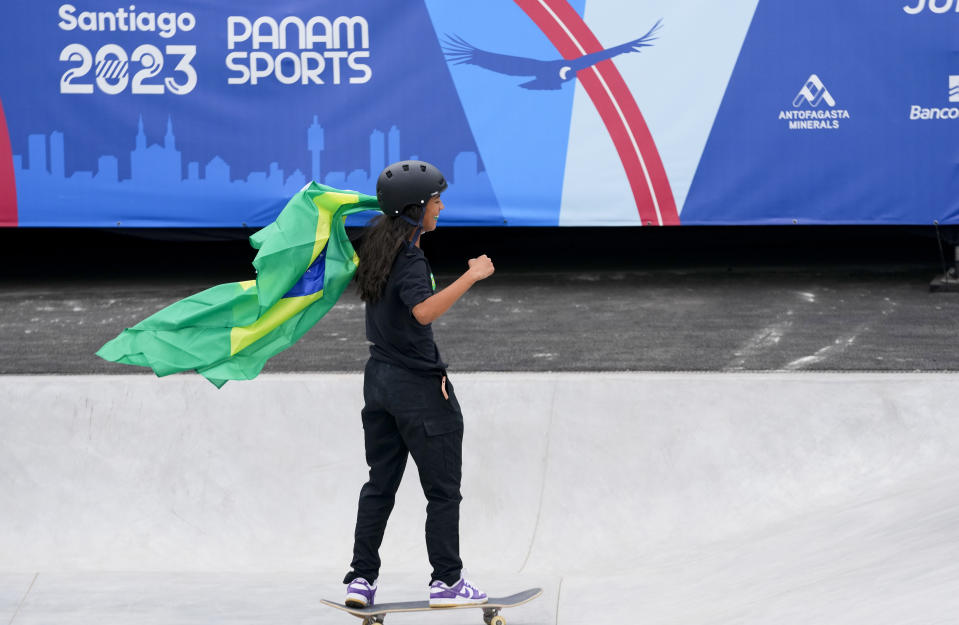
x,y
382,240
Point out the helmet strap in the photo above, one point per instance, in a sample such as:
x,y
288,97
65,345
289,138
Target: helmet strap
x,y
417,232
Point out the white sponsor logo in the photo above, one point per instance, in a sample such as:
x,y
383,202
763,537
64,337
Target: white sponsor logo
x,y
293,51
813,92
918,112
934,6
807,113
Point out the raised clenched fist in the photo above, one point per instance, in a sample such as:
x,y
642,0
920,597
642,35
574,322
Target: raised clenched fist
x,y
481,267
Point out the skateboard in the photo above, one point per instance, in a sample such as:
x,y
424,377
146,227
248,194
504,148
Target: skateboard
x,y
491,616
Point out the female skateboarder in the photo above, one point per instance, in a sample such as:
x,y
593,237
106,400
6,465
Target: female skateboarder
x,y
410,406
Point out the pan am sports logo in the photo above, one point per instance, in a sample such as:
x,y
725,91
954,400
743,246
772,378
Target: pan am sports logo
x,y
917,112
313,51
807,115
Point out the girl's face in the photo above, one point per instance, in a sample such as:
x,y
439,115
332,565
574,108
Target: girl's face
x,y
433,208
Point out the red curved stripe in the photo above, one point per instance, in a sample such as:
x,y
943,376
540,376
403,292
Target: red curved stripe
x,y
8,183
644,190
624,97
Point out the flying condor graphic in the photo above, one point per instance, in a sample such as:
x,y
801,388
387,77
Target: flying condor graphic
x,y
548,75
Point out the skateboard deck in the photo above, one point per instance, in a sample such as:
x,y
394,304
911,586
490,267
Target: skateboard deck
x,y
491,615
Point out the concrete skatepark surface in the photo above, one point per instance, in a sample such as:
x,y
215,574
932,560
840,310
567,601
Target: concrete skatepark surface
x,y
730,427
648,497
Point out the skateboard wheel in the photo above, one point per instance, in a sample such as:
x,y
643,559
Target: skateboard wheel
x,y
497,620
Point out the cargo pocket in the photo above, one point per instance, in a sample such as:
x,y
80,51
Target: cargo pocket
x,y
445,447
443,422
440,425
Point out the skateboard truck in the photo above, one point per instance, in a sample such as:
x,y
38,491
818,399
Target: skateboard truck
x,y
491,617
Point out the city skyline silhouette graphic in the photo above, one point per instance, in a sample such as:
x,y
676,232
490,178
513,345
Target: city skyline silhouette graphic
x,y
160,191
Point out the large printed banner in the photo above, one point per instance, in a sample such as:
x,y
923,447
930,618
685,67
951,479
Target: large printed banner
x,y
540,112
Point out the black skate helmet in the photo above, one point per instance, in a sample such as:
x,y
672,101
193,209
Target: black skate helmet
x,y
408,183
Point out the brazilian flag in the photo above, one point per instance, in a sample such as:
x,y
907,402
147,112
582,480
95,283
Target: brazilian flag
x,y
228,332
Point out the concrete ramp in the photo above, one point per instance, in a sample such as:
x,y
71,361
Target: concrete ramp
x,y
704,498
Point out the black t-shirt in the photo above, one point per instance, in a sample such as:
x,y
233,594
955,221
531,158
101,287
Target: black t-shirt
x,y
396,336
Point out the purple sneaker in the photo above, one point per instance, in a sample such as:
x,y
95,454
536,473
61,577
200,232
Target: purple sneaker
x,y
460,593
359,594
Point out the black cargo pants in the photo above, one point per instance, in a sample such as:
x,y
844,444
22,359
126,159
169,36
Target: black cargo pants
x,y
406,415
